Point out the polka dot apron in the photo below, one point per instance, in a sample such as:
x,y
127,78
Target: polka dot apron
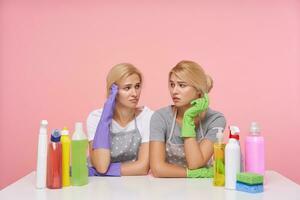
x,y
125,145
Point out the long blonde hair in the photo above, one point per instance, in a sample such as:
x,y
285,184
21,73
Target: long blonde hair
x,y
193,74
119,72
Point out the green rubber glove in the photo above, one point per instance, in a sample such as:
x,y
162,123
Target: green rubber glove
x,y
203,172
188,124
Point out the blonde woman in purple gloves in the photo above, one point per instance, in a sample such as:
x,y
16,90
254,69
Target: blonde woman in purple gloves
x,y
119,132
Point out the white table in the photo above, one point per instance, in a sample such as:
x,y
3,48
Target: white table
x,y
148,187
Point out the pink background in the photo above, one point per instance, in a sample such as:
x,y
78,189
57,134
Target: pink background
x,y
54,58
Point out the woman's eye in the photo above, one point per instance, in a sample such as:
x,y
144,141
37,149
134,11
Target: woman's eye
x,y
126,88
182,85
137,87
172,85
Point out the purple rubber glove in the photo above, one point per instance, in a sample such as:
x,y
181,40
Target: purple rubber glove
x,y
114,169
102,137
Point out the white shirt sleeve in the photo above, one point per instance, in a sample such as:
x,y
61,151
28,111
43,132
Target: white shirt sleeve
x,y
143,124
92,123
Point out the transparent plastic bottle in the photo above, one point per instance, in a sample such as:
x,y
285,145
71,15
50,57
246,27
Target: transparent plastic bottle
x,y
255,150
79,155
54,161
219,159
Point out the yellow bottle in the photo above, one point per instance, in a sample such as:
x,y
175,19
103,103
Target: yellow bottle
x,y
219,160
65,142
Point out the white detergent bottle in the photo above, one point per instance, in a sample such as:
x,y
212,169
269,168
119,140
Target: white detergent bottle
x,y
232,158
41,167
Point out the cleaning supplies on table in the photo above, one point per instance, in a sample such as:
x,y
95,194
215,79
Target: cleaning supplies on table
x,y
254,151
41,167
79,145
219,160
54,161
232,158
250,182
65,143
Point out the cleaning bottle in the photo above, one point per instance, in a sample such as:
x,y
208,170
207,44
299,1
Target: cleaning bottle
x,y
219,165
79,162
232,158
254,151
65,143
41,166
54,161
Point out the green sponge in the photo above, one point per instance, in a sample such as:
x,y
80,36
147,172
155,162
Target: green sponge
x,y
250,178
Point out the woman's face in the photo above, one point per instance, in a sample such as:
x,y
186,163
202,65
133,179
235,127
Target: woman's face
x,y
129,91
181,93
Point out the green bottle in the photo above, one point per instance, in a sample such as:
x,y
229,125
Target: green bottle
x,y
79,154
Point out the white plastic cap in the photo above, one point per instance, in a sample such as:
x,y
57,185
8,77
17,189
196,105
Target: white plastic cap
x,y
65,131
254,128
44,122
78,134
78,126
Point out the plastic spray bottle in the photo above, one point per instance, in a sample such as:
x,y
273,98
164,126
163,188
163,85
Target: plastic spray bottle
x,y
232,158
41,167
255,151
219,162
65,143
79,162
54,161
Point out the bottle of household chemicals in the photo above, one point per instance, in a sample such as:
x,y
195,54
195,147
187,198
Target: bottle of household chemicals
x,y
79,155
219,159
255,151
232,158
54,161
41,167
219,162
65,143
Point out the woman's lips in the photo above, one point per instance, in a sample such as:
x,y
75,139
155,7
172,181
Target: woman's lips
x,y
134,100
176,99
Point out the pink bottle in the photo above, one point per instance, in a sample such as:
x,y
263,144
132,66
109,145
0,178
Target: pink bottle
x,y
255,151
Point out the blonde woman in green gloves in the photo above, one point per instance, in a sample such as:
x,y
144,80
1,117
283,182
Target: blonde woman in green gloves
x,y
182,135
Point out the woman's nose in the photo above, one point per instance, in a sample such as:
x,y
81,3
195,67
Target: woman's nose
x,y
175,90
134,92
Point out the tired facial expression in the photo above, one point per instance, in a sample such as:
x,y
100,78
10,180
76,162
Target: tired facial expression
x,y
129,91
181,92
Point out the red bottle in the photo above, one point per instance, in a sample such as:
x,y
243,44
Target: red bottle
x,y
54,177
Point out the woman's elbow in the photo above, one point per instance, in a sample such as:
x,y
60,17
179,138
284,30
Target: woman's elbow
x,y
102,169
156,171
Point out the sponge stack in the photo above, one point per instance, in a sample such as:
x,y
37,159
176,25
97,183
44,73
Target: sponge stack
x,y
250,182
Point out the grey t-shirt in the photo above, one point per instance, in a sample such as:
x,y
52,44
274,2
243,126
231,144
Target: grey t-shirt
x,y
161,125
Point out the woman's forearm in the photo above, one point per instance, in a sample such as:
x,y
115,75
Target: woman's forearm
x,y
166,170
100,158
135,168
193,153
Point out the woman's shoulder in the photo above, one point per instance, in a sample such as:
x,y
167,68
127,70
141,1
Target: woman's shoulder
x,y
163,113
213,115
95,113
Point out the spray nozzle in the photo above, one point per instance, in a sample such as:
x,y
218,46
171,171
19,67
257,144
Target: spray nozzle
x,y
234,132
